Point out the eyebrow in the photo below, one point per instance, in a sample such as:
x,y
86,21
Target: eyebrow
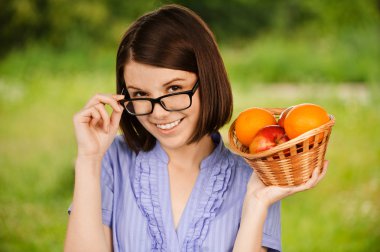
x,y
165,84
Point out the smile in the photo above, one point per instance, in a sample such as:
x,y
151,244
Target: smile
x,y
168,125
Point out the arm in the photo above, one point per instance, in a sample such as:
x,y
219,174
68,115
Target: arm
x,y
252,221
95,131
108,233
255,209
85,229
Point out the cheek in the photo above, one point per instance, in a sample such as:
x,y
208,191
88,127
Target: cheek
x,y
196,103
143,121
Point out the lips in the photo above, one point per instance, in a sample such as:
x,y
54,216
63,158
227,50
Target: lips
x,y
168,126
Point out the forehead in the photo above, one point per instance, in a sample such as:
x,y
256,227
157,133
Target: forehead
x,y
143,75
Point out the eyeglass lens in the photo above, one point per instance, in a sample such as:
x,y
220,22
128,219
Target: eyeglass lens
x,y
169,103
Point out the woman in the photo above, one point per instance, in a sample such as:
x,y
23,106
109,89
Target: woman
x,y
168,184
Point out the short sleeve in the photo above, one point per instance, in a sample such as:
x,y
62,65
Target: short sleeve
x,y
107,185
272,228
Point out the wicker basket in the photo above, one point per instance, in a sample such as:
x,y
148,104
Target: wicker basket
x,y
290,163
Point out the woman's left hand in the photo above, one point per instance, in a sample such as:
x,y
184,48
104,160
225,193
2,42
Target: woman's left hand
x,y
258,192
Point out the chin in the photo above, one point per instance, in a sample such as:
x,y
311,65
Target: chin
x,y
173,142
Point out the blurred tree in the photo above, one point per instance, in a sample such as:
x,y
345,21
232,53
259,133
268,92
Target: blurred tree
x,y
25,21
62,22
247,18
20,21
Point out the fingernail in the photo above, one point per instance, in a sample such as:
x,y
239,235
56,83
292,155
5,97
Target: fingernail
x,y
117,96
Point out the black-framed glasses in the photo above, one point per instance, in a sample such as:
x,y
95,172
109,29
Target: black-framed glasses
x,y
170,102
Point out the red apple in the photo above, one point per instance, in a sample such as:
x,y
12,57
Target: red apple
x,y
268,137
281,120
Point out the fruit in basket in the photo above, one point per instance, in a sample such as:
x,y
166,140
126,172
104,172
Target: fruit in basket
x,y
268,137
250,121
304,117
284,113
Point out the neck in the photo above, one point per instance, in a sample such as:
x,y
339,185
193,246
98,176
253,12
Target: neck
x,y
190,156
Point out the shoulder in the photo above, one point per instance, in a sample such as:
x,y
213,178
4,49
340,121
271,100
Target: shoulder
x,y
119,146
240,165
118,153
241,171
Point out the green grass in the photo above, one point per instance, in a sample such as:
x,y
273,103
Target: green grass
x,y
40,90
348,57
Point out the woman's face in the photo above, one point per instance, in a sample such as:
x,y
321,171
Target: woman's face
x,y
172,129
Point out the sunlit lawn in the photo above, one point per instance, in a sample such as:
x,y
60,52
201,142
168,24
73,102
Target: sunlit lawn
x,y
37,149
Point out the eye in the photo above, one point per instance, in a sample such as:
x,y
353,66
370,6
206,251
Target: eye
x,y
174,88
138,94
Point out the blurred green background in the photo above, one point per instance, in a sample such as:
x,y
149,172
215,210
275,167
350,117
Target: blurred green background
x,y
55,54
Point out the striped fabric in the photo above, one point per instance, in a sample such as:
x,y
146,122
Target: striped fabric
x,y
136,202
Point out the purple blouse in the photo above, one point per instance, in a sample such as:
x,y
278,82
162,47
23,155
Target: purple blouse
x,y
136,202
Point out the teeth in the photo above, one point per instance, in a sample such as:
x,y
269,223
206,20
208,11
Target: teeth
x,y
169,125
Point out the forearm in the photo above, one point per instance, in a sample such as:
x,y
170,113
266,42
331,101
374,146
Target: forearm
x,y
250,234
85,228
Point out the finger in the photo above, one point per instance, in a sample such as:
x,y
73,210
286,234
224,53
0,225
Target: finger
x,y
95,117
115,119
308,184
86,115
105,117
105,99
324,171
118,97
316,177
312,182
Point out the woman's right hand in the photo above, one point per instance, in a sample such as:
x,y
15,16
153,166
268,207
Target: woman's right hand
x,y
95,129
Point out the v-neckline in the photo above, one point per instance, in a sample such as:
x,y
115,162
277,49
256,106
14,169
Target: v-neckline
x,y
152,190
189,210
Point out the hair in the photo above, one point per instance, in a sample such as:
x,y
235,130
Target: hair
x,y
175,37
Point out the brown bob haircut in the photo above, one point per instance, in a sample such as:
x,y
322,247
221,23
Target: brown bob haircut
x,y
175,37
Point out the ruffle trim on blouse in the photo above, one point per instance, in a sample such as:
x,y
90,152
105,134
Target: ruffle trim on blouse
x,y
146,192
211,201
145,186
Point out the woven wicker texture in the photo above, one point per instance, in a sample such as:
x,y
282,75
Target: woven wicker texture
x,y
290,163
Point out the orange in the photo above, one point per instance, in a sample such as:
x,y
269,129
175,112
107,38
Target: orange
x,y
304,117
250,121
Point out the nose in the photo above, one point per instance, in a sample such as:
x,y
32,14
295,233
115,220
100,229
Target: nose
x,y
159,112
